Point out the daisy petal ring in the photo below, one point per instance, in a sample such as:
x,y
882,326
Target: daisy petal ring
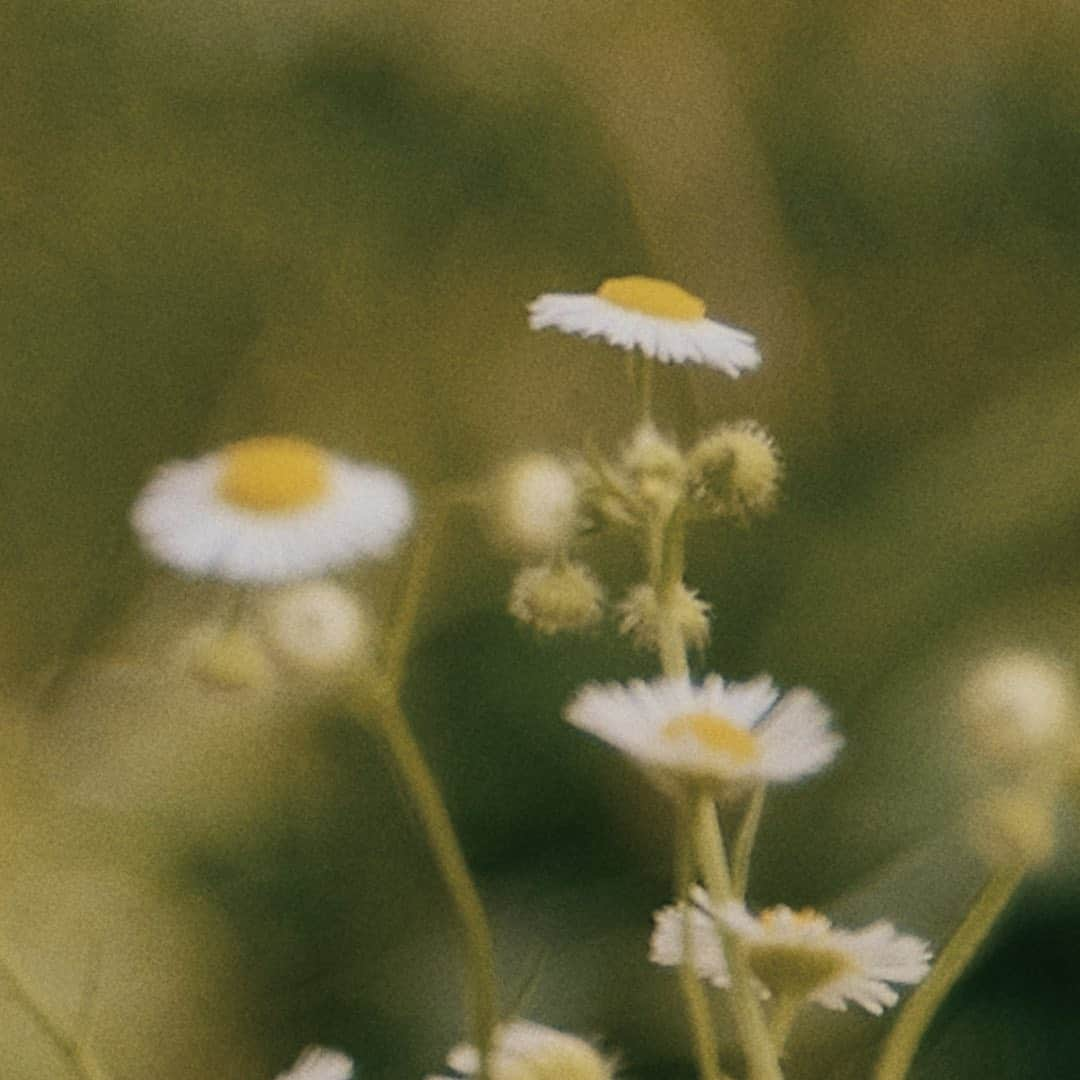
x,y
798,952
656,317
714,734
269,510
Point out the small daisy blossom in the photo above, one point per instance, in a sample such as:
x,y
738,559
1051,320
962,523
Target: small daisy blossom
x,y
318,1063
715,733
798,952
269,510
527,1051
658,318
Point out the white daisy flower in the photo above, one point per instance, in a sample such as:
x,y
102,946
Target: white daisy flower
x,y
527,1051
318,1063
269,510
797,952
656,317
716,733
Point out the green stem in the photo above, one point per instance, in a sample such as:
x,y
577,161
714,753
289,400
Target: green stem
x,y
785,1009
429,805
903,1040
697,1003
750,1022
82,1060
744,842
667,563
408,609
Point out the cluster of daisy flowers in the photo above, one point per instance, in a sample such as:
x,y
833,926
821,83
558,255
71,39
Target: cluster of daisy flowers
x,y
545,508
724,739
274,516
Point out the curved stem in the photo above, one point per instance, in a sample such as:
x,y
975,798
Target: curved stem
x,y
903,1040
694,995
744,842
446,849
82,1060
750,1022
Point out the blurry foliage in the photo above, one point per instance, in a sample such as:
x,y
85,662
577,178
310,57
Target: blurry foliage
x,y
327,218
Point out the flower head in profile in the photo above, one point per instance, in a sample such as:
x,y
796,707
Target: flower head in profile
x,y
526,1051
796,953
656,317
269,510
318,1063
713,734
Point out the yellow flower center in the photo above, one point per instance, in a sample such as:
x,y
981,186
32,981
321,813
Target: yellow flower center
x,y
273,473
651,296
804,917
714,733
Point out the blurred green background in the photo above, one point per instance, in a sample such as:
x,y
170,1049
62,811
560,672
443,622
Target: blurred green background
x,y
327,217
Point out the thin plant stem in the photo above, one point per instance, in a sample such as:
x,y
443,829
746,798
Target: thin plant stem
x,y
785,1009
408,609
750,1022
695,997
77,1053
903,1040
443,841
667,560
383,699
744,842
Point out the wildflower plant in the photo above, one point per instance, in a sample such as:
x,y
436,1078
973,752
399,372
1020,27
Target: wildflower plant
x,y
271,518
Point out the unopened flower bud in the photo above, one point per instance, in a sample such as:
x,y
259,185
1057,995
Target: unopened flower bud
x,y
735,471
523,1050
227,659
641,615
1013,827
559,598
656,467
316,628
535,506
1017,706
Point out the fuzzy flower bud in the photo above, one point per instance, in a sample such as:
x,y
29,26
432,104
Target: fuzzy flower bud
x,y
227,659
317,628
535,506
526,1051
735,472
640,616
1013,827
1017,706
559,598
656,467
